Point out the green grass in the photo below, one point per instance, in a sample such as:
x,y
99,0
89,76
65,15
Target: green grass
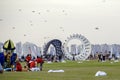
x,y
73,71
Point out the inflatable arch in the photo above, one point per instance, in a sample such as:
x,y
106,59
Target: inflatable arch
x,y
57,44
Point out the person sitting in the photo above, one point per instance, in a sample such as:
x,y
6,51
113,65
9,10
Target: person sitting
x,y
18,66
33,66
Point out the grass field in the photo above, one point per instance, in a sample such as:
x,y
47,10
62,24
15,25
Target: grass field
x,y
73,71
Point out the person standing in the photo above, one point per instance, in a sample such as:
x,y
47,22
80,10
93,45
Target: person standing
x,y
40,61
27,59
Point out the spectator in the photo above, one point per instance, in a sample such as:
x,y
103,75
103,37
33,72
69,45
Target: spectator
x,y
18,66
28,58
40,61
100,57
33,66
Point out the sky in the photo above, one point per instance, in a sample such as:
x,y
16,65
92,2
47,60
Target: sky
x,y
39,21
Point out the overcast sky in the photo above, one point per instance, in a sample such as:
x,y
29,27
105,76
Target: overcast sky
x,y
38,21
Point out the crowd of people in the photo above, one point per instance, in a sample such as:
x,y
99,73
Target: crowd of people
x,y
34,64
10,62
15,65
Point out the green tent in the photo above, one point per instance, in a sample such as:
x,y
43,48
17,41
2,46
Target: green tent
x,y
9,45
